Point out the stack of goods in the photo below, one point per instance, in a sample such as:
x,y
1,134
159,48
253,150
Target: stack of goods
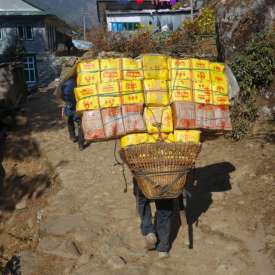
x,y
199,95
110,98
150,98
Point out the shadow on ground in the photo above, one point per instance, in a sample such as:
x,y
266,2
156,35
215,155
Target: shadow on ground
x,y
199,187
24,176
44,112
17,186
20,147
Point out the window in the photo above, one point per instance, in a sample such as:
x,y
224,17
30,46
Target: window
x,y
51,35
119,27
30,69
25,32
1,32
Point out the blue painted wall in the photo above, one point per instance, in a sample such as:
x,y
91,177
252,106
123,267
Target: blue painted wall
x,y
9,32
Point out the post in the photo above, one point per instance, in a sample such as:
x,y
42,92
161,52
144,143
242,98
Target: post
x,y
84,26
191,6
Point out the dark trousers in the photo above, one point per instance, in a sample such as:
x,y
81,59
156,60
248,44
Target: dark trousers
x,y
71,127
72,121
162,224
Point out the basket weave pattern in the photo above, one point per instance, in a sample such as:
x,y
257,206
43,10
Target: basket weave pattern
x,y
161,168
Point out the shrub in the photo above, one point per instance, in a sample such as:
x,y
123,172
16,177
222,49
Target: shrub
x,y
130,44
254,69
16,50
203,24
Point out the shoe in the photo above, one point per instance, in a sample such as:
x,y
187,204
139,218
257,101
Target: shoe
x,y
163,255
73,139
151,241
81,147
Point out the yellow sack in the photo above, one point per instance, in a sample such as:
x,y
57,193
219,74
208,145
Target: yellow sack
x,y
219,83
218,67
180,90
88,66
181,74
131,92
109,95
109,76
90,103
158,117
131,69
110,64
153,138
133,139
187,136
85,91
201,76
110,69
85,79
170,138
161,74
179,64
200,64
219,99
220,88
155,66
154,62
202,93
156,92
218,78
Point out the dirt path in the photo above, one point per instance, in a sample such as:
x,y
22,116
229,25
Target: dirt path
x,y
90,225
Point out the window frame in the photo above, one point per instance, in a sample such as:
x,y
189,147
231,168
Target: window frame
x,y
1,32
32,34
29,69
24,32
124,26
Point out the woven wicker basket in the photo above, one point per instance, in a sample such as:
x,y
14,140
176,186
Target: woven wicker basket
x,y
161,168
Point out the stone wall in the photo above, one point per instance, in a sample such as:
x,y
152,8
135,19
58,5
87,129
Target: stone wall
x,y
12,84
49,67
237,22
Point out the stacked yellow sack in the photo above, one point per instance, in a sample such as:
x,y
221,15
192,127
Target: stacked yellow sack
x,y
88,72
157,114
198,81
158,119
154,66
131,69
86,98
179,136
131,92
156,81
156,92
110,69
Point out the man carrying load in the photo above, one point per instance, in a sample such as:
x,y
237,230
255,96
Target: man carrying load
x,y
157,235
69,110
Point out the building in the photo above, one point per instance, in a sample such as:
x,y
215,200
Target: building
x,y
38,32
129,16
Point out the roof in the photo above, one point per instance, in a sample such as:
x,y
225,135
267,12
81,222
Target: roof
x,y
149,12
19,7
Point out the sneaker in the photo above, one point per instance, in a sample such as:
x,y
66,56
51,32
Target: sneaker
x,y
81,147
163,255
151,241
73,139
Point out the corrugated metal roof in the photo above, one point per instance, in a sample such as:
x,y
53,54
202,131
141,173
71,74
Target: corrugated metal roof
x,y
140,12
19,7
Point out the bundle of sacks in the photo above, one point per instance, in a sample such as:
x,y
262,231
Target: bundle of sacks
x,y
151,97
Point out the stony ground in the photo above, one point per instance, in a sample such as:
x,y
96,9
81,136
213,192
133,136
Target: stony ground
x,y
89,226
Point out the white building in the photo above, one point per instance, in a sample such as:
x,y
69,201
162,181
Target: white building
x,y
130,16
131,20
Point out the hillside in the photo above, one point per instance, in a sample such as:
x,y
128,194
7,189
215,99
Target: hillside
x,y
70,10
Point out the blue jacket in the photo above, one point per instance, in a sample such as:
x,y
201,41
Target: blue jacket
x,y
68,96
68,90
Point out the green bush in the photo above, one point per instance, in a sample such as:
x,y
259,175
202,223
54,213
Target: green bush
x,y
254,69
